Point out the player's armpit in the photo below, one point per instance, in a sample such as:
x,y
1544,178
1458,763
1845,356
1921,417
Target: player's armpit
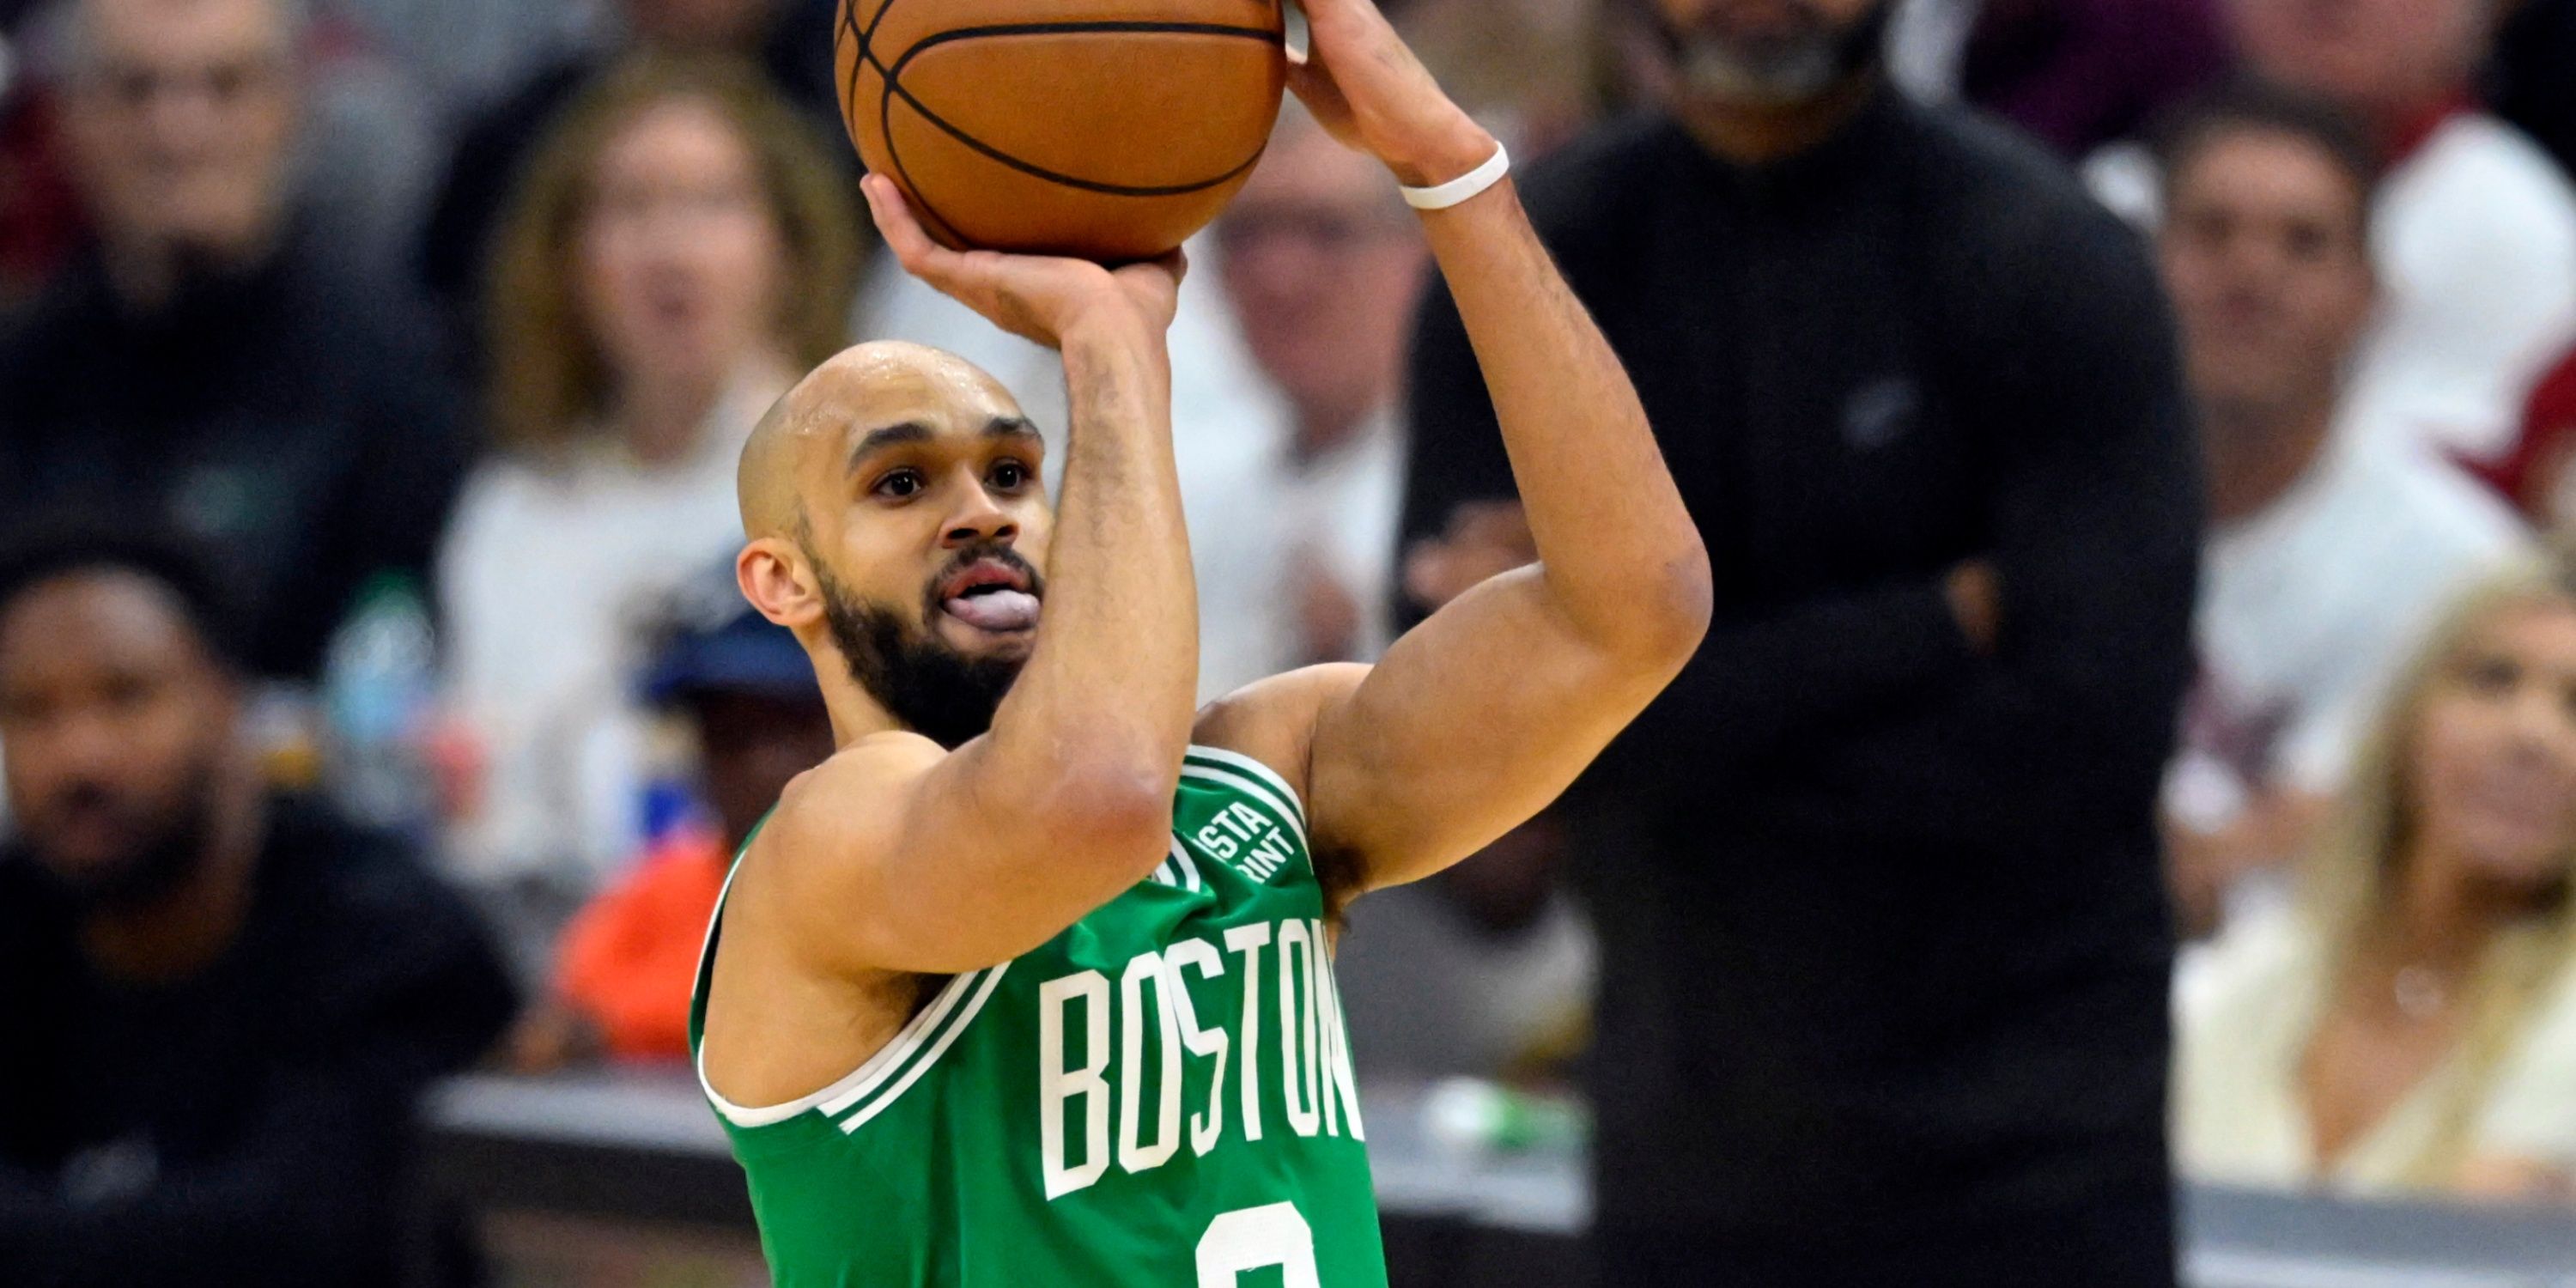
x,y
1475,721
899,856
1273,721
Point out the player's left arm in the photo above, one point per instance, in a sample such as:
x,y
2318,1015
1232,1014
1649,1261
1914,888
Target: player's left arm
x,y
1484,713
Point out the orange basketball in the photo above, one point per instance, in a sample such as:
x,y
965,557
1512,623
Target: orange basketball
x,y
1105,129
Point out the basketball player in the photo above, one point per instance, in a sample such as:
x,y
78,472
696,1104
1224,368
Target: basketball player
x,y
1031,983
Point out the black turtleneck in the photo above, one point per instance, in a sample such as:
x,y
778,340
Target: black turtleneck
x,y
294,422
1884,945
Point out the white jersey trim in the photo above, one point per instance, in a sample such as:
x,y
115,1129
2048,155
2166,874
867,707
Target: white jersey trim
x,y
1265,774
1295,820
932,1027
965,1018
860,1081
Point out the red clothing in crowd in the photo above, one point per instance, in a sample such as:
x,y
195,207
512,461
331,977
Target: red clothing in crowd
x,y
629,961
39,217
2529,473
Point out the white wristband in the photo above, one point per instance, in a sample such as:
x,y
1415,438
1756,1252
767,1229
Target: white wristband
x,y
1463,188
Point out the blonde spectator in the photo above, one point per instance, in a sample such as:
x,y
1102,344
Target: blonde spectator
x,y
2410,1024
679,249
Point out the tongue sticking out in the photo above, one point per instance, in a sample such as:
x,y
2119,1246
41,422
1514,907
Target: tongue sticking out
x,y
996,610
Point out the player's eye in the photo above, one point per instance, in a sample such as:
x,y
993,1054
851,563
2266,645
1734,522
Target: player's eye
x,y
1009,476
900,484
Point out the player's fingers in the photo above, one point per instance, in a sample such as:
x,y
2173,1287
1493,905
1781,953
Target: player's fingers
x,y
1310,82
920,256
894,219
1314,86
1355,37
1336,24
975,273
1297,34
885,205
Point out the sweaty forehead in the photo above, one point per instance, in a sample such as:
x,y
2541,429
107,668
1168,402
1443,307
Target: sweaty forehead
x,y
801,450
878,385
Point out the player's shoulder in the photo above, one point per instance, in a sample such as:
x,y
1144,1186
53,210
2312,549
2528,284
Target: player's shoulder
x,y
1273,720
846,799
881,761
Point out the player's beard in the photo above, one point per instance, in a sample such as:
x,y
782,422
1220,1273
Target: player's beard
x,y
921,680
169,846
1797,66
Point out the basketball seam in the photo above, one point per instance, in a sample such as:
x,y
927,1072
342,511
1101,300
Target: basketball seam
x,y
893,77
865,42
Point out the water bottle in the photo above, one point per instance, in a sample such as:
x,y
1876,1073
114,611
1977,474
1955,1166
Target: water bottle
x,y
379,681
1472,1116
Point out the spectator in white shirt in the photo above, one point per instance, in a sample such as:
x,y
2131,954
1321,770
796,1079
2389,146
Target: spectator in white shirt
x,y
679,251
2409,1024
2333,546
2476,234
1293,517
1293,530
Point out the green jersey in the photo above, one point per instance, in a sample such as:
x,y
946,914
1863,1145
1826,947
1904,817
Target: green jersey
x,y
1159,1097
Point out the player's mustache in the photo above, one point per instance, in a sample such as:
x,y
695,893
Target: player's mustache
x,y
995,551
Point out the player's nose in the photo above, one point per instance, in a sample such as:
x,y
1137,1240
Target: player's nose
x,y
979,518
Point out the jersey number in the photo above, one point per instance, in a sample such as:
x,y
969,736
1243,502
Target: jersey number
x,y
1256,1239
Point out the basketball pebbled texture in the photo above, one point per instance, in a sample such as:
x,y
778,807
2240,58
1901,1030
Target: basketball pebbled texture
x,y
1105,129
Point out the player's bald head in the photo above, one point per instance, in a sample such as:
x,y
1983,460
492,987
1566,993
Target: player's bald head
x,y
871,387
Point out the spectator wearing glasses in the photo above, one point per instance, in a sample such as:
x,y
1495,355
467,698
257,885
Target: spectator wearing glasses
x,y
1293,534
1294,523
204,361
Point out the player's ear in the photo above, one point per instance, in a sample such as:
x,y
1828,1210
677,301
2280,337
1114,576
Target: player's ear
x,y
773,576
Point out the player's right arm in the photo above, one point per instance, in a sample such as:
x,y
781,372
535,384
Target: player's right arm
x,y
897,855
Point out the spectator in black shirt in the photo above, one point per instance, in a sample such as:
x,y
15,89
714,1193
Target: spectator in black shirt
x,y
1884,949
221,1005
201,364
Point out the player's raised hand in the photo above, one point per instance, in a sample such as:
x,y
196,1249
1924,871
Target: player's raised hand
x,y
1036,297
1367,88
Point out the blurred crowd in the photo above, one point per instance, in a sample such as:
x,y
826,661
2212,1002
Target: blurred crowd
x,y
375,698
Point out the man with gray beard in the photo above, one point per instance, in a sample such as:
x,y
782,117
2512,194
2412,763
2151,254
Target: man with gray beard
x,y
1884,952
